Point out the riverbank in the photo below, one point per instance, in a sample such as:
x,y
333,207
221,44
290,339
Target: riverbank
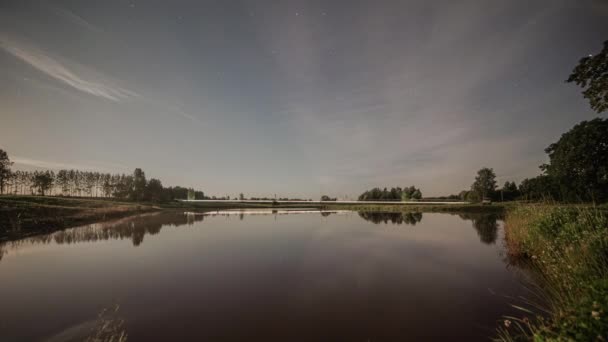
x,y
22,216
567,248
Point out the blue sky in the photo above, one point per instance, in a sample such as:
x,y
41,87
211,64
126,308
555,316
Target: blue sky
x,y
296,98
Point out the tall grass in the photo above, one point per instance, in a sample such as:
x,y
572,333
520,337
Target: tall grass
x,y
108,327
567,247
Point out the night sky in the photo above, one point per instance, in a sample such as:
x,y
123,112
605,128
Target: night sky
x,y
294,98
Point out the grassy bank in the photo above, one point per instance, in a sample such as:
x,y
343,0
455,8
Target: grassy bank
x,y
567,247
22,216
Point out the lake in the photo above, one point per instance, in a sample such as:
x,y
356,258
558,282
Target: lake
x,y
262,275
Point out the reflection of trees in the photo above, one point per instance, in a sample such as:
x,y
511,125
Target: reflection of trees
x,y
395,218
485,224
134,228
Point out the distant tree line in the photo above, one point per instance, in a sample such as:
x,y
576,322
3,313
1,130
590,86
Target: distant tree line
x,y
394,194
133,187
485,187
283,199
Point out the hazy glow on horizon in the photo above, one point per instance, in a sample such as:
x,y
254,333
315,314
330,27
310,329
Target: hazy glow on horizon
x,y
294,98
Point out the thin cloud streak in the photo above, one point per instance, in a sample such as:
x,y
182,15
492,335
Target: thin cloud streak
x,y
75,18
55,69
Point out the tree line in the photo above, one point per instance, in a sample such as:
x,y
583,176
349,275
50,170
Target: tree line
x,y
577,171
77,183
394,194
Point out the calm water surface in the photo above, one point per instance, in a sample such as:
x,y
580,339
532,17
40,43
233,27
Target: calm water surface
x,y
258,276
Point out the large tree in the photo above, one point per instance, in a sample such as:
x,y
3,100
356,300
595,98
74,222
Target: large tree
x,y
411,193
485,183
154,190
139,185
5,169
591,74
578,162
43,181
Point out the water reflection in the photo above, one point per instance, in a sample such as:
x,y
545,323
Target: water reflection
x,y
320,276
133,228
394,218
485,224
137,227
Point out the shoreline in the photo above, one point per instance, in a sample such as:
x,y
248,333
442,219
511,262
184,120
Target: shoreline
x,y
25,216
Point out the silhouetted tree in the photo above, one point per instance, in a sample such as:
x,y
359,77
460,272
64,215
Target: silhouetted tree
x,y
591,74
485,183
541,187
509,191
43,181
154,190
139,185
5,169
578,162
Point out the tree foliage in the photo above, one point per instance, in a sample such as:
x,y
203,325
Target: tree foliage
x,y
394,194
485,183
411,193
509,191
540,188
578,162
139,185
5,169
43,181
591,74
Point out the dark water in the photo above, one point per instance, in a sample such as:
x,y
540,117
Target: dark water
x,y
251,277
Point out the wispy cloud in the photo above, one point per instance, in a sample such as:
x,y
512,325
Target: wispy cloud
x,y
75,18
88,81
